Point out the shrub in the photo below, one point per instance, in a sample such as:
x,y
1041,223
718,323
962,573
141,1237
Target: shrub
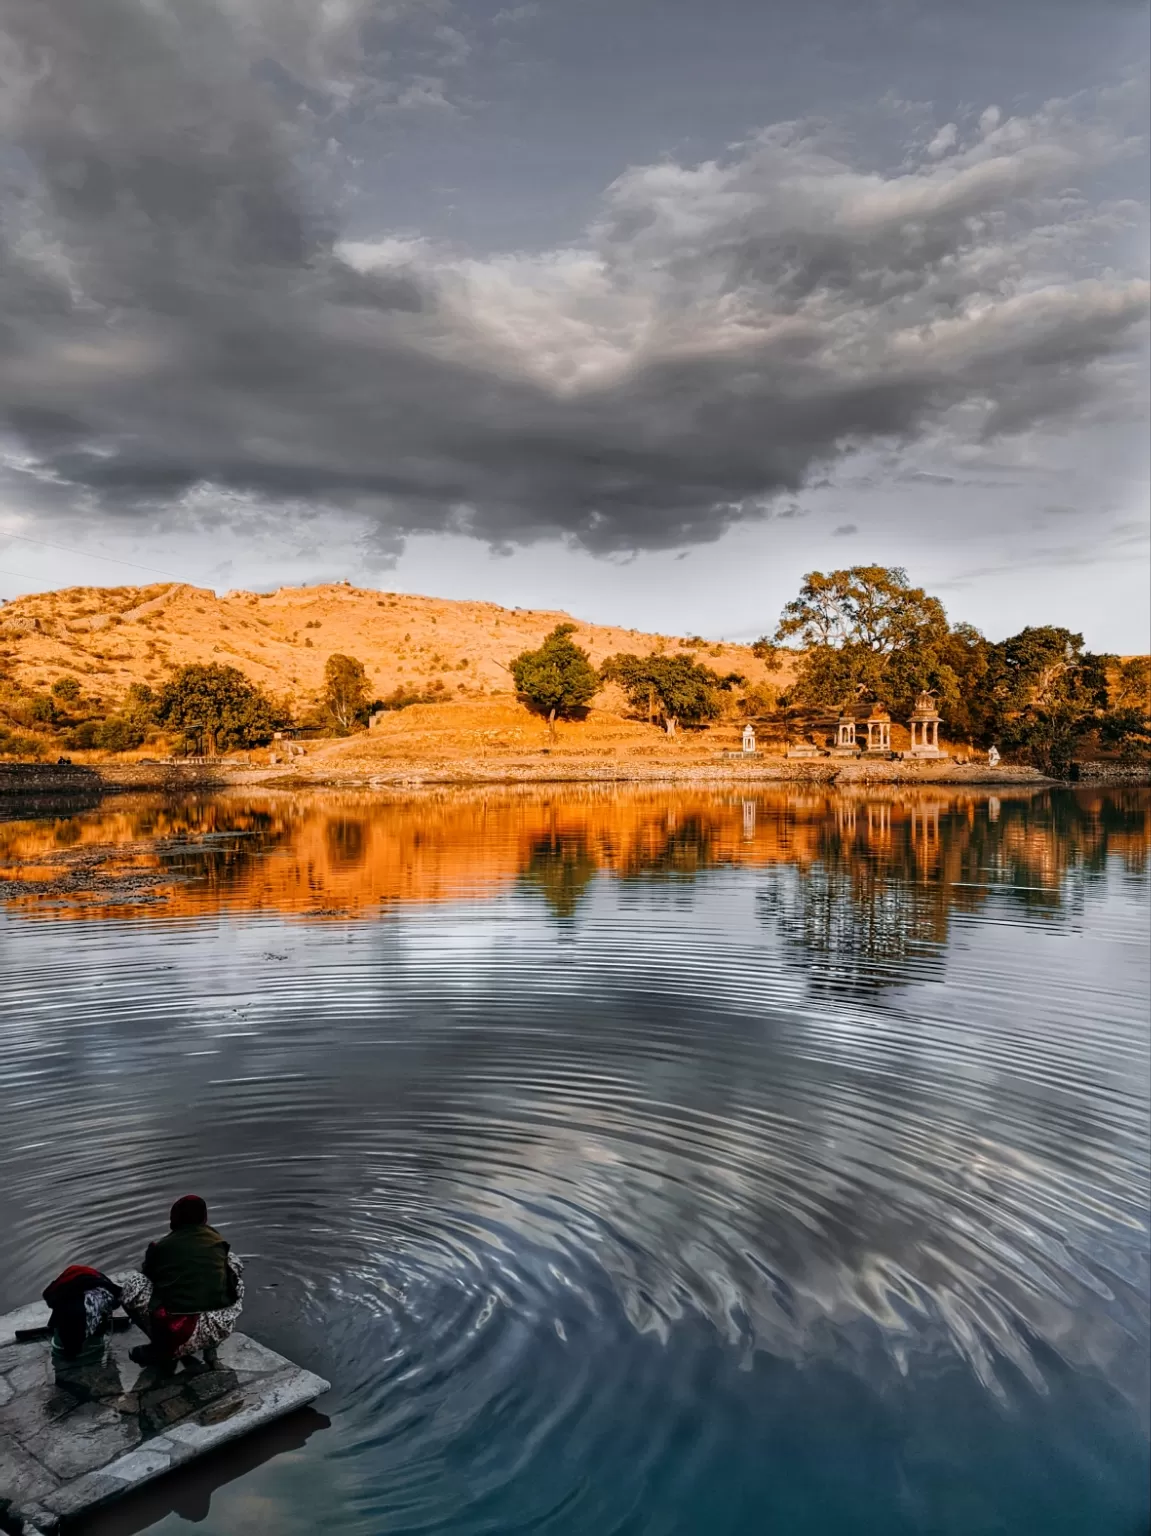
x,y
15,745
119,734
67,688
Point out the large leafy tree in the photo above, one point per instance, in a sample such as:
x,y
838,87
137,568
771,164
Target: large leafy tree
x,y
1127,724
219,703
675,689
558,678
1044,691
345,690
867,631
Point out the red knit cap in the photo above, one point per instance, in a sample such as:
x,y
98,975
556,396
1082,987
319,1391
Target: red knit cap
x,y
189,1211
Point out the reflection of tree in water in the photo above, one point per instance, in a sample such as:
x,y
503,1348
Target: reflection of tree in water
x,y
346,839
560,867
674,847
562,864
887,874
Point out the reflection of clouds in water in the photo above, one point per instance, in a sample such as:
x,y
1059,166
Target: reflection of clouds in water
x,y
462,1125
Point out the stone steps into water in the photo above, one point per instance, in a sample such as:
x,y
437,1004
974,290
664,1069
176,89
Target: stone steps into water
x,y
69,1445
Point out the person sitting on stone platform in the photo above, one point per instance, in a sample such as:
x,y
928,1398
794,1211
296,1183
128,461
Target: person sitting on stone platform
x,y
82,1300
188,1293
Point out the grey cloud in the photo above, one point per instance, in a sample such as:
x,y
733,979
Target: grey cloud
x,y
844,531
181,315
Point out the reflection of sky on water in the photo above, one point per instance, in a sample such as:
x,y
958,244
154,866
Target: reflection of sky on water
x,y
493,1153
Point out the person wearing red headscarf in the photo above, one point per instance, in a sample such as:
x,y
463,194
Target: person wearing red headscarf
x,y
188,1293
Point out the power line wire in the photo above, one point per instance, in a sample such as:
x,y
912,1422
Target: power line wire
x,y
88,554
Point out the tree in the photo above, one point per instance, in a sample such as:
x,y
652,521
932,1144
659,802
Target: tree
x,y
557,679
1043,692
1127,724
220,703
139,704
676,688
345,690
867,630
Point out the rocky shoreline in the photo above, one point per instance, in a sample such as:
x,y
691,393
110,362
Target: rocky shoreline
x,y
40,784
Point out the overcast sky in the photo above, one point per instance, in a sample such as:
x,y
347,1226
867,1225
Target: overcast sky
x,y
640,308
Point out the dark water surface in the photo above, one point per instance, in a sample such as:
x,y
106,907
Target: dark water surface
x,y
634,1164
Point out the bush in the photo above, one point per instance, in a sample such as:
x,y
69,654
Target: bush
x,y
82,737
67,688
119,734
401,698
15,745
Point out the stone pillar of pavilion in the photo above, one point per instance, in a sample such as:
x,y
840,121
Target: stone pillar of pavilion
x,y
924,728
878,732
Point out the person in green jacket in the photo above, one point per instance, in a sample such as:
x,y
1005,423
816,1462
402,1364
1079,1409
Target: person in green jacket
x,y
188,1293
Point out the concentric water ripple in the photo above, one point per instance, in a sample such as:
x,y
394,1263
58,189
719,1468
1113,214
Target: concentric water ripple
x,y
672,1178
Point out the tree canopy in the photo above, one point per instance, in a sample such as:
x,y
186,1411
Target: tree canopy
x,y
868,634
345,690
219,703
867,631
676,688
558,677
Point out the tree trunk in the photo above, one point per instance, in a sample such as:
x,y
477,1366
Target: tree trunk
x,y
552,725
669,724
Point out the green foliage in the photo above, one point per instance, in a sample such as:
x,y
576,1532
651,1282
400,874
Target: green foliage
x,y
345,691
82,737
868,632
119,733
1131,686
1041,693
558,677
66,688
14,744
676,688
140,704
219,703
401,697
1129,730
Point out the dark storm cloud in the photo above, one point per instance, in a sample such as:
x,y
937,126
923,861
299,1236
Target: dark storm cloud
x,y
180,312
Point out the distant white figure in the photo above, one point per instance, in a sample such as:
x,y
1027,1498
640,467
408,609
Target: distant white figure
x,y
992,757
748,739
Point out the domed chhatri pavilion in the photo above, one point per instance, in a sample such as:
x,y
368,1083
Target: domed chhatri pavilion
x,y
845,742
878,725
924,728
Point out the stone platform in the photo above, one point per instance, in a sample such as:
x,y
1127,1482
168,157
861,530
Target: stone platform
x,y
68,1446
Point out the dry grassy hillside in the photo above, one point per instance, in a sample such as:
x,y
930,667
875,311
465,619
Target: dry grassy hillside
x,y
111,637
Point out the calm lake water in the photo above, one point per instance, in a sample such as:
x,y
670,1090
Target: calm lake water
x,y
634,1164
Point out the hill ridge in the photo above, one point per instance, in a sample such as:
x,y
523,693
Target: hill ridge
x,y
112,637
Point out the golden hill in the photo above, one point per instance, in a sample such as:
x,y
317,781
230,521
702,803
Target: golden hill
x,y
111,637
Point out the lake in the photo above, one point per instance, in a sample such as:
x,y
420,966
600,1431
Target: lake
x,y
635,1163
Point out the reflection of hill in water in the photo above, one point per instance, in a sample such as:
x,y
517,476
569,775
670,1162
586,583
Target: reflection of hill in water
x,y
873,873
